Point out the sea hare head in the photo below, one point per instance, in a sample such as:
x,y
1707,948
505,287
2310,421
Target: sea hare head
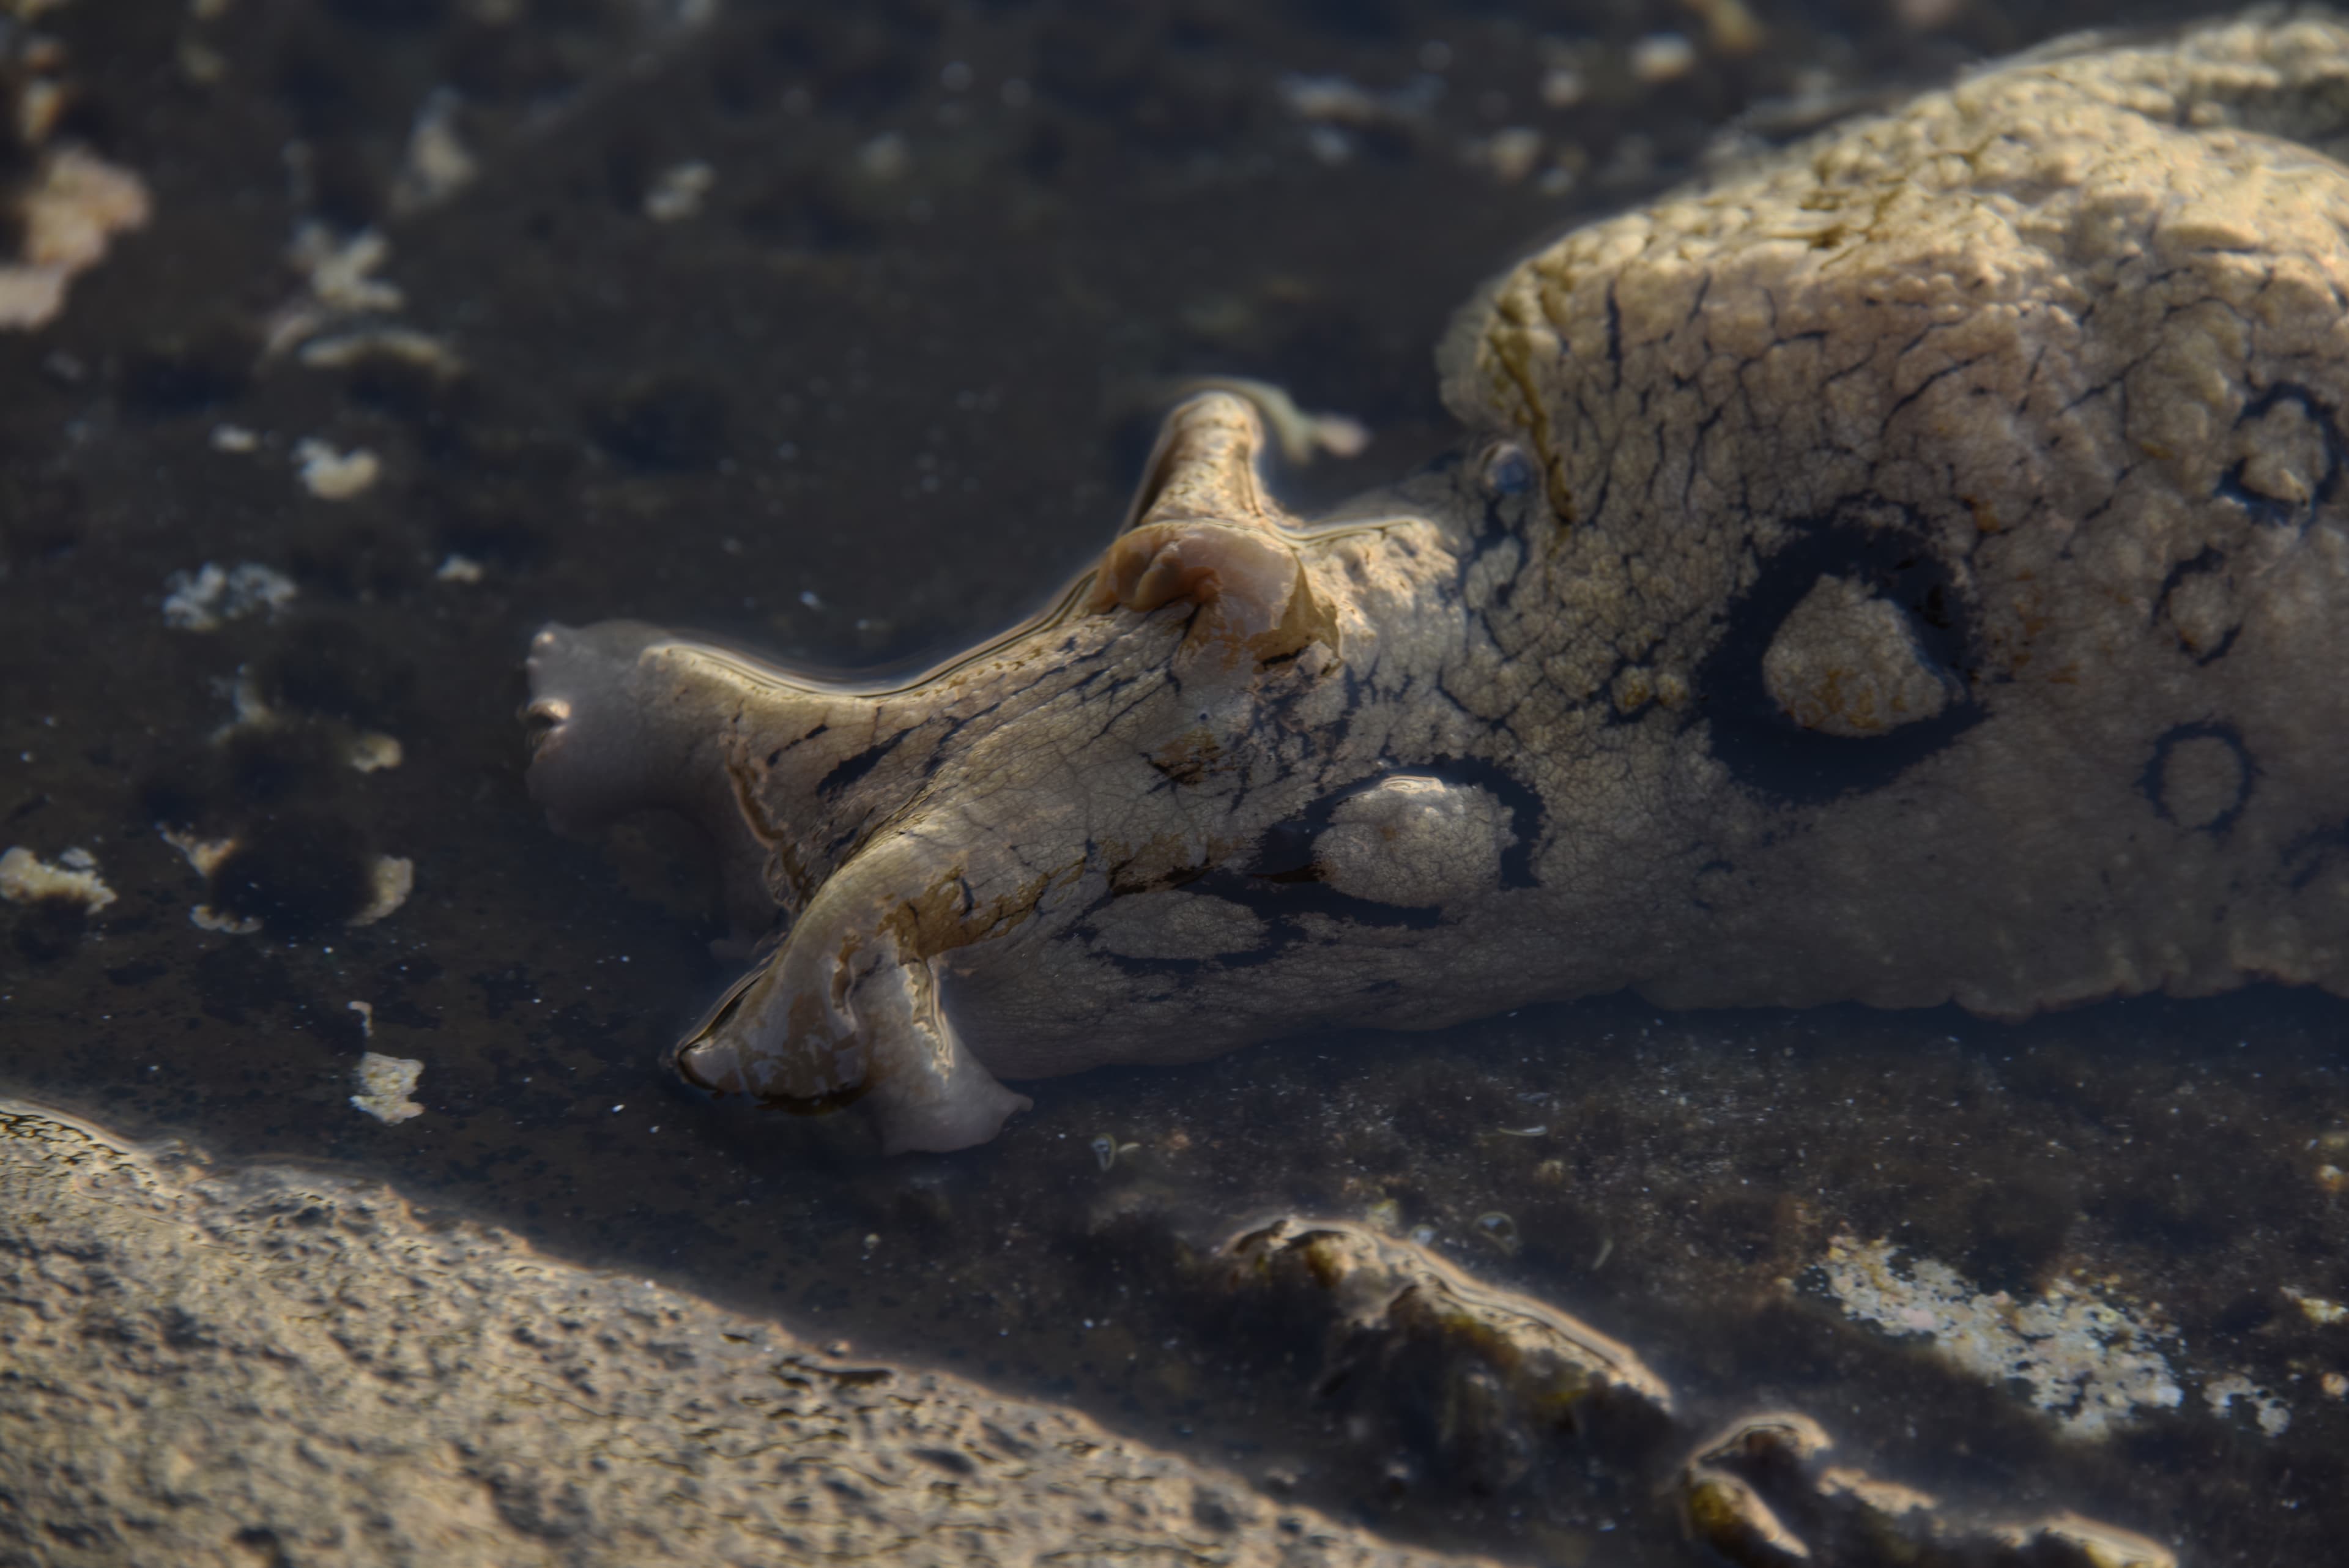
x,y
1910,567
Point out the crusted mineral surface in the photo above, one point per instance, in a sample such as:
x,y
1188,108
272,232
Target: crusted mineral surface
x,y
281,1366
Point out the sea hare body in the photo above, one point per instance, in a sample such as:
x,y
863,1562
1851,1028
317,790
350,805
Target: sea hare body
x,y
1913,567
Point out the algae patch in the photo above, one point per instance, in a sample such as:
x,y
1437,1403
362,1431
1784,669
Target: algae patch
x,y
2088,1362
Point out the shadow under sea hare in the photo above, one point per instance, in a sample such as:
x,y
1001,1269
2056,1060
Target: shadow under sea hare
x,y
1910,567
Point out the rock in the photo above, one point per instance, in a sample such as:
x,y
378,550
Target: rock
x,y
272,1364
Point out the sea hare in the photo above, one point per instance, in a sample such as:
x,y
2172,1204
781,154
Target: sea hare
x,y
1910,567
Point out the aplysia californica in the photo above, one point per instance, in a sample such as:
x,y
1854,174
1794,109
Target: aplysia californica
x,y
1912,566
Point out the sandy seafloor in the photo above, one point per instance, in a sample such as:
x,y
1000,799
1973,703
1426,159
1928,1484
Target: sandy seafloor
x,y
876,395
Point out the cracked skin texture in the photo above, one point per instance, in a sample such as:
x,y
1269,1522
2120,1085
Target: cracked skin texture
x,y
1909,568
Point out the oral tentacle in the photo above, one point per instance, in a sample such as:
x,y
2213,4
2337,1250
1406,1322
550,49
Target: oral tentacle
x,y
847,1008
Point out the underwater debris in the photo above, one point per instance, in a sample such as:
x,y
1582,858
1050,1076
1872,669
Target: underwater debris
x,y
380,344
2088,1363
338,282
372,752
1509,154
71,878
203,856
2271,1413
332,476
390,880
676,191
438,164
1660,58
386,1082
1497,1230
2317,1309
209,597
74,205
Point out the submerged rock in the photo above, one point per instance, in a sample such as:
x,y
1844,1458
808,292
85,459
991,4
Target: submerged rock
x,y
1429,1359
1763,1495
280,1364
1503,1391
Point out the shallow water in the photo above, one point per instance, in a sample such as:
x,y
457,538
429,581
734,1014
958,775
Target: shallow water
x,y
879,395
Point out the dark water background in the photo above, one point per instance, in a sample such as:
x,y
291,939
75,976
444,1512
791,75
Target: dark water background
x,y
873,400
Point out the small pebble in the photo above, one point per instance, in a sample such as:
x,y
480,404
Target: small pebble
x,y
1661,57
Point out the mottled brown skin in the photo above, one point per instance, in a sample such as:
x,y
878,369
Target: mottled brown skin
x,y
1912,568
